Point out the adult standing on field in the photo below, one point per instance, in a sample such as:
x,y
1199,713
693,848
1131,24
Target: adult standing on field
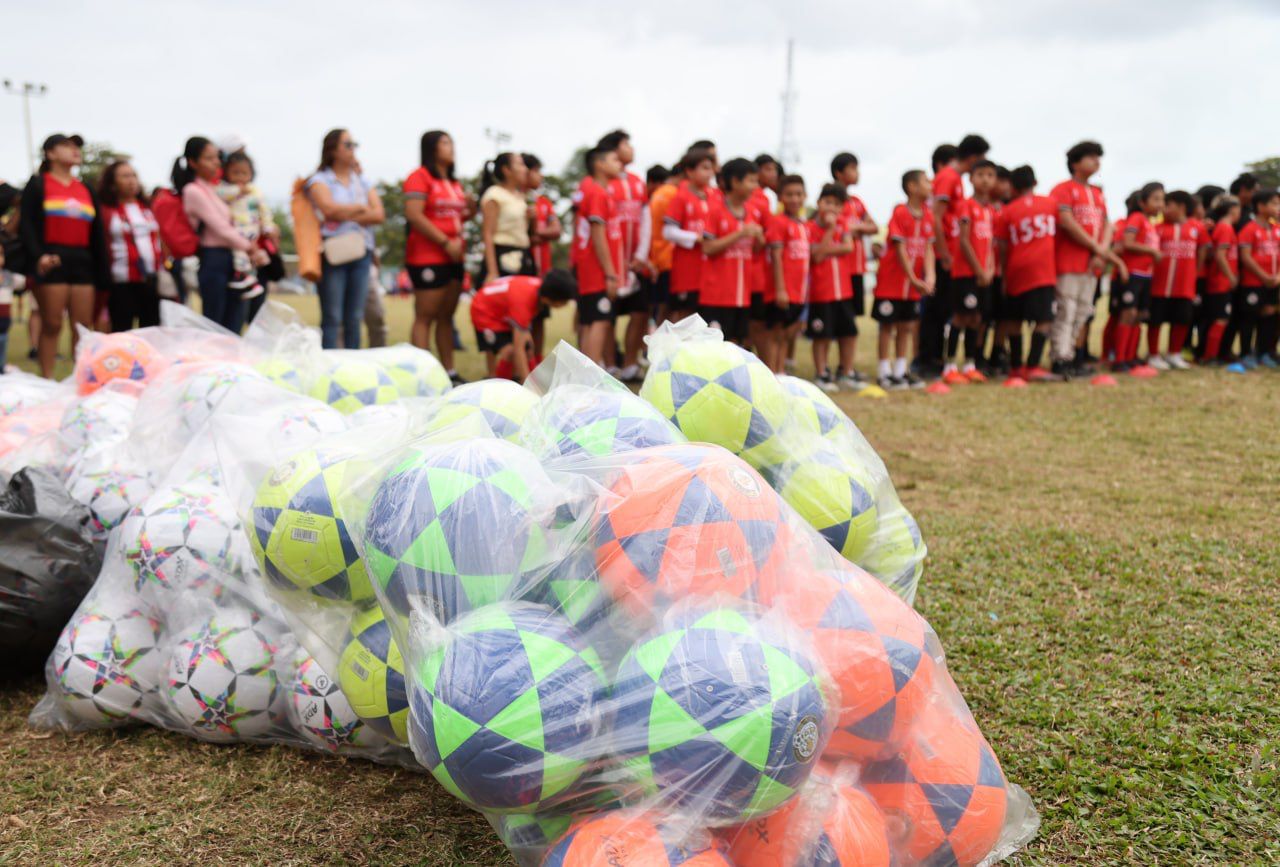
x,y
133,249
195,179
1083,246
349,207
435,207
61,232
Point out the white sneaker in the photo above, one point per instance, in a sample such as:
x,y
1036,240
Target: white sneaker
x,y
630,373
1157,362
849,383
1177,362
613,371
789,366
827,385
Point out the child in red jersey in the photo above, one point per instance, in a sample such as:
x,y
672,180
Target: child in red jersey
x,y
760,208
1083,251
1130,302
544,230
729,242
1173,287
684,226
906,275
1025,232
831,313
1224,277
1260,281
600,266
789,258
972,273
845,173
632,198
503,312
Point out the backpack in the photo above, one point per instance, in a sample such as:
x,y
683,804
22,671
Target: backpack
x,y
179,238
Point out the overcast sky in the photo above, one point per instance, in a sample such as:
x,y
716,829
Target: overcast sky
x,y
1177,90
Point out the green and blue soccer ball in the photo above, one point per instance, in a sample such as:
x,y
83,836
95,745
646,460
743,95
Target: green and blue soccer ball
x,y
321,712
222,681
453,527
576,421
718,393
299,533
415,372
349,384
504,713
502,404
371,675
106,666
718,717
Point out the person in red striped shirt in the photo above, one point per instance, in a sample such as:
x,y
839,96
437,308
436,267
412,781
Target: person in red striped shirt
x,y
1173,286
906,275
133,249
1224,277
729,241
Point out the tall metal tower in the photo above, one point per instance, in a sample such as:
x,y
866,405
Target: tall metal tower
x,y
788,146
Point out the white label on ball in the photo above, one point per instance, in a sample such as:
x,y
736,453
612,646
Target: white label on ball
x,y
737,666
727,566
298,534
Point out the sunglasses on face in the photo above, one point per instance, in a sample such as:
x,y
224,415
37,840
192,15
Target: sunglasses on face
x,y
351,145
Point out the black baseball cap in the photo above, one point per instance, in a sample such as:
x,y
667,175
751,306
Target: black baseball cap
x,y
58,138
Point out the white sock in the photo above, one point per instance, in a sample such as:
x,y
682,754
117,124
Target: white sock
x,y
886,368
900,368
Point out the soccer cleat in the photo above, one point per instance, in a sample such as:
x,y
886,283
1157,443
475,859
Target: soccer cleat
x,y
455,378
1177,362
851,383
975,376
789,366
954,377
1236,367
1268,362
1157,362
894,383
826,384
1143,371
913,381
1250,362
1062,369
937,387
1015,382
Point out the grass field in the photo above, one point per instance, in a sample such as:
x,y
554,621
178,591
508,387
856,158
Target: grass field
x,y
1103,573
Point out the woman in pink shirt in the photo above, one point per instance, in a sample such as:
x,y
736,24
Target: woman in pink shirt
x,y
195,178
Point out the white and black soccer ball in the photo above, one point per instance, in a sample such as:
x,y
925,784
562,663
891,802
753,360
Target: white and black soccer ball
x,y
106,666
204,390
110,494
301,427
321,712
222,681
98,420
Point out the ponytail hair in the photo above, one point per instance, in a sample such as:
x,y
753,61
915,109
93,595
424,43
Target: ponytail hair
x,y
45,165
495,170
184,166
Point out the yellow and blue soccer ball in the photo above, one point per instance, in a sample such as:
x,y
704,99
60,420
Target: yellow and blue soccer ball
x,y
371,675
835,497
351,383
896,553
282,372
812,409
503,404
415,372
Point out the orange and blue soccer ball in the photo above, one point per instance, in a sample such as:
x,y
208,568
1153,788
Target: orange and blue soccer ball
x,y
625,839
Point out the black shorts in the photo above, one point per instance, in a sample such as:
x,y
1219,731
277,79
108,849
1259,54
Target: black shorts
x,y
1215,306
771,314
1171,311
1202,287
832,320
637,301
1270,296
595,307
434,276
995,293
967,297
1135,294
76,267
1248,301
733,322
1034,305
858,285
492,341
887,312
685,302
660,292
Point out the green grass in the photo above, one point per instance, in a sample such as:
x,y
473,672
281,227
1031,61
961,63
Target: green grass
x,y
1103,574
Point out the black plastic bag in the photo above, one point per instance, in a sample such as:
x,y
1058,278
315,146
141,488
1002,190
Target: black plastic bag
x,y
48,561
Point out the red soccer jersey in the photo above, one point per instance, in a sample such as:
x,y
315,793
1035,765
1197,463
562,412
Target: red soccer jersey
x,y
1028,225
855,212
1089,207
1224,238
688,211
543,211
1175,275
789,238
828,280
759,212
596,207
68,212
506,303
948,187
916,232
1264,243
727,276
1138,228
445,207
1203,239
981,221
629,193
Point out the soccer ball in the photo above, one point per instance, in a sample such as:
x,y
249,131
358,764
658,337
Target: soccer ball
x,y
321,713
19,392
282,372
575,421
415,372
873,646
944,791
505,713
98,421
719,393
115,356
222,677
371,675
105,664
835,498
718,717
207,386
503,404
528,835
896,553
812,409
455,525
631,839
684,520
298,428
109,494
833,825
351,383
299,535
182,539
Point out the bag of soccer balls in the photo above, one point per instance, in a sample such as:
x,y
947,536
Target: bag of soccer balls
x,y
796,436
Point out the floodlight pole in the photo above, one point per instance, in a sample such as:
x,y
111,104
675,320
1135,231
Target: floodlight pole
x,y
498,137
27,90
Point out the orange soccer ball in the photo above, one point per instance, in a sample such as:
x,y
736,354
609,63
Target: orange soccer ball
x,y
839,827
624,839
116,356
